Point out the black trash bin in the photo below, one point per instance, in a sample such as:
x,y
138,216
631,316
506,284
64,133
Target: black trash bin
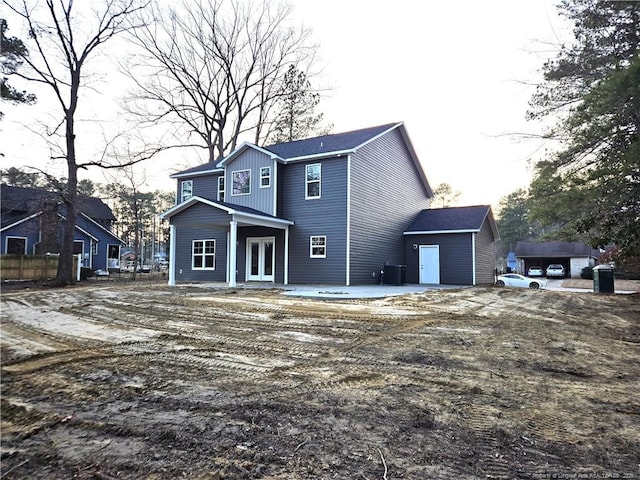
x,y
395,274
603,279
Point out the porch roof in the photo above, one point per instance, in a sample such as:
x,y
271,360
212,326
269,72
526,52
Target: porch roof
x,y
245,216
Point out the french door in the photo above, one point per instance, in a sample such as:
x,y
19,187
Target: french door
x,y
261,255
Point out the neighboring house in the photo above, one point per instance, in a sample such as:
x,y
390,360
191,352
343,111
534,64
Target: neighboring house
x,y
32,224
452,246
574,256
327,210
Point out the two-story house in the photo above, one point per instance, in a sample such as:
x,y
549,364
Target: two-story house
x,y
32,224
326,210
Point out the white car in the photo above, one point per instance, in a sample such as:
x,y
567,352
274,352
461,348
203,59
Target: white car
x,y
517,280
555,270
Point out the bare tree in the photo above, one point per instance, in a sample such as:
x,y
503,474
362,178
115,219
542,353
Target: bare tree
x,y
444,195
63,41
216,68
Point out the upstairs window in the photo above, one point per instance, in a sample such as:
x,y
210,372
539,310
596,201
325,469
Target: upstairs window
x,y
203,255
318,247
221,188
241,182
186,190
265,177
312,181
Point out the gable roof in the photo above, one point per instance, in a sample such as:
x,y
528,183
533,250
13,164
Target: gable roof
x,y
19,202
329,144
244,214
332,145
452,220
555,249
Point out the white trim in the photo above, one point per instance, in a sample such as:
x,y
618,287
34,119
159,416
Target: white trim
x,y
82,230
224,190
182,185
226,273
473,257
307,182
102,228
321,156
275,189
348,252
286,255
6,243
172,255
233,249
243,147
204,253
196,174
20,221
268,177
436,232
233,172
311,255
253,218
261,257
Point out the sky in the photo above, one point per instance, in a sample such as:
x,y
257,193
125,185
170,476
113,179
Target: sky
x,y
458,74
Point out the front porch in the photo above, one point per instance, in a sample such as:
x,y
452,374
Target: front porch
x,y
254,245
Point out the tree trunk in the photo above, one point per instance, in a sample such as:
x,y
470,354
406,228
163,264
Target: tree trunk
x,y
66,275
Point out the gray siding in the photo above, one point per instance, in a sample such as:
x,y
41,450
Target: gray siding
x,y
456,259
200,222
261,199
386,194
324,216
246,232
485,255
205,186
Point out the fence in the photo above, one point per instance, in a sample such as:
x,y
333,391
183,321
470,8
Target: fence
x,y
32,267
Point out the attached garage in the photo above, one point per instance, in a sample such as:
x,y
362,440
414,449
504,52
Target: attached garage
x,y
452,246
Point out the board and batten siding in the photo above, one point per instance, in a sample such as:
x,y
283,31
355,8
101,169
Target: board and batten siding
x,y
485,255
386,194
262,199
200,222
324,216
456,259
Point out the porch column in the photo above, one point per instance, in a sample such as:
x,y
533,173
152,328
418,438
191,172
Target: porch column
x,y
172,255
233,252
286,255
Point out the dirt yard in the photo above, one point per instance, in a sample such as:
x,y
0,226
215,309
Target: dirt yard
x,y
143,381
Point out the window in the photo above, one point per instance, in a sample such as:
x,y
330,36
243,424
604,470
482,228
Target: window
x,y
94,248
318,247
241,182
186,190
16,245
312,181
203,255
221,188
265,177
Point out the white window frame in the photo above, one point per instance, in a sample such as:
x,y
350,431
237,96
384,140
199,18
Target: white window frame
x,y
94,248
323,246
203,254
308,182
221,188
183,184
15,237
266,177
233,187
